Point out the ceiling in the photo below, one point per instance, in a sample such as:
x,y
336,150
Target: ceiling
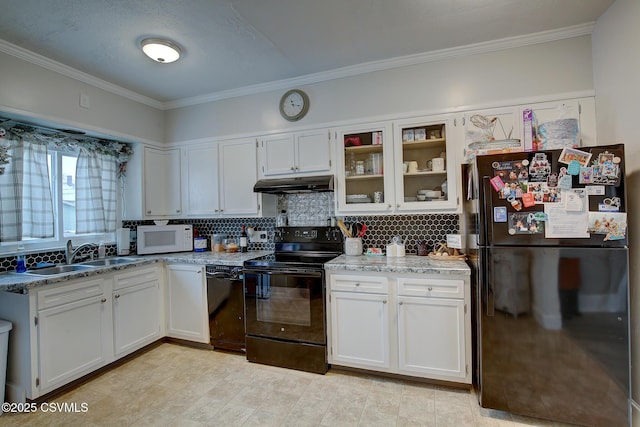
x,y
232,44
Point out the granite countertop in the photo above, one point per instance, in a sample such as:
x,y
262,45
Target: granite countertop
x,y
22,282
407,264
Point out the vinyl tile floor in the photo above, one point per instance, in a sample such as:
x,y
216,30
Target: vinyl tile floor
x,y
173,385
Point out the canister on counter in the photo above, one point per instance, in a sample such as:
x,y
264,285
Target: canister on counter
x,y
217,242
199,244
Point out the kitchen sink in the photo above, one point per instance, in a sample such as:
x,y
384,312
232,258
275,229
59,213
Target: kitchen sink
x,y
59,269
108,261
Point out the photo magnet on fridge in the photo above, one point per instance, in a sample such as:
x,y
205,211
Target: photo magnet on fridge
x,y
500,214
612,224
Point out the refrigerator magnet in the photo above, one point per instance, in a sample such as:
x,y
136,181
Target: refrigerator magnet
x,y
528,200
515,203
499,214
569,155
539,168
497,183
565,182
574,167
612,224
585,175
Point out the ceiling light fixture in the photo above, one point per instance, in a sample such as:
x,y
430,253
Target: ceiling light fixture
x,y
161,50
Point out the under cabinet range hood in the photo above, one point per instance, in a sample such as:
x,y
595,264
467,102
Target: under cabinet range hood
x,y
305,184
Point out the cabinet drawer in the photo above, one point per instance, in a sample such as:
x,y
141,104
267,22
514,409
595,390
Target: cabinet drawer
x,y
447,288
135,277
365,284
48,298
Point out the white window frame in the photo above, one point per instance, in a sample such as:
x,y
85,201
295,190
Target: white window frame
x,y
59,241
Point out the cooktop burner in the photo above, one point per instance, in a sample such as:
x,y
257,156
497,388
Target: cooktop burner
x,y
301,246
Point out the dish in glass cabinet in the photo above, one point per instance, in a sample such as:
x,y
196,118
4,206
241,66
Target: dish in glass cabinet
x,y
161,222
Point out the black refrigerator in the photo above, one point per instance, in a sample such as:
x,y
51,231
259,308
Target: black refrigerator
x,y
548,243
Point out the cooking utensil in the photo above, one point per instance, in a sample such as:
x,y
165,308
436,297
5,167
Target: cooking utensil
x,y
345,230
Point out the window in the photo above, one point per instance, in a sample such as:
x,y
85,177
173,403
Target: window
x,y
62,184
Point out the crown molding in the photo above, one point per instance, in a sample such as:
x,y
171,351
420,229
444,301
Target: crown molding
x,y
70,72
438,55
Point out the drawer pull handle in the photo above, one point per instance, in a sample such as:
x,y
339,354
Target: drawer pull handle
x,y
103,300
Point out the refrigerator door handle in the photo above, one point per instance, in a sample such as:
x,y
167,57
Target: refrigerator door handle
x,y
489,292
485,194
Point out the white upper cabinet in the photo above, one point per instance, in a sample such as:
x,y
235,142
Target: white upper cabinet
x,y
426,166
201,180
364,168
296,153
162,182
219,179
238,173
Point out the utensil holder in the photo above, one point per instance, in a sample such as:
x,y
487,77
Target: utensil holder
x,y
353,246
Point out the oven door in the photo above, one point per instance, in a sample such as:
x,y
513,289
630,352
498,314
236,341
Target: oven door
x,y
285,304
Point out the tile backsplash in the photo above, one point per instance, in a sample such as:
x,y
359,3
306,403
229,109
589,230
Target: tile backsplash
x,y
304,209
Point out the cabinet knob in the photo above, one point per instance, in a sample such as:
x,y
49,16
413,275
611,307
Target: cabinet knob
x,y
177,210
103,300
430,288
400,303
398,205
148,212
199,271
389,206
357,284
293,168
116,296
384,301
217,210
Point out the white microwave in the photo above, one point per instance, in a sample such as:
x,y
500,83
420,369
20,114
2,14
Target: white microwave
x,y
160,239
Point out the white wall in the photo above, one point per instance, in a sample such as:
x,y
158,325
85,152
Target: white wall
x,y
544,69
616,67
30,90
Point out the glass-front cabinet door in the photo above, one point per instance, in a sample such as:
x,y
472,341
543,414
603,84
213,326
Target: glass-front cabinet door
x,y
425,167
365,168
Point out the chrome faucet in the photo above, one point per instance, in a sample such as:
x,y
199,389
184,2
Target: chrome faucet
x,y
70,253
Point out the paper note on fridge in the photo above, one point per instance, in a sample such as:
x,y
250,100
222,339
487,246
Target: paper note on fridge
x,y
563,224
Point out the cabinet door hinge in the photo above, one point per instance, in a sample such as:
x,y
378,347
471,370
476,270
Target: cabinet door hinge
x,y
465,309
329,163
455,122
37,382
466,369
329,133
579,108
35,321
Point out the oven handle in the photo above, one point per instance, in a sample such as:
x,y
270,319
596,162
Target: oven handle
x,y
287,272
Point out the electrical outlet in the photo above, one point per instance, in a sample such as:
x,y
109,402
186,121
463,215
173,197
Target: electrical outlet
x,y
260,237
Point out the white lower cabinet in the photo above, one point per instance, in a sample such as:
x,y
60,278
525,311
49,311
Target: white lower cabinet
x,y
363,335
187,313
74,332
414,324
137,303
66,330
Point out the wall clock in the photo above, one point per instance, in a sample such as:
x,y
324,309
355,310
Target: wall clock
x,y
294,105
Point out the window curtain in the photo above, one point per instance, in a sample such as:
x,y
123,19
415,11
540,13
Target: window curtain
x,y
26,204
96,183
